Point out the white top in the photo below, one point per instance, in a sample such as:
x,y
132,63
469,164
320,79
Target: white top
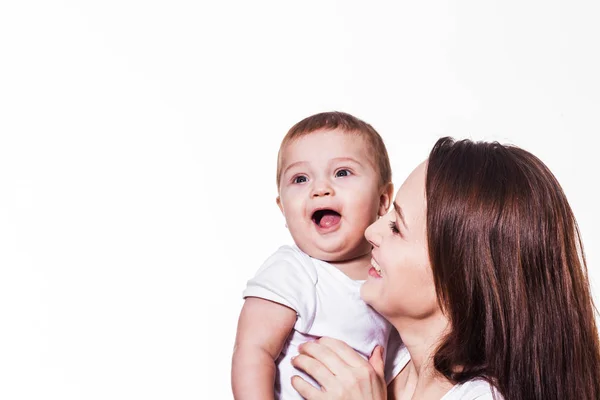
x,y
328,303
476,389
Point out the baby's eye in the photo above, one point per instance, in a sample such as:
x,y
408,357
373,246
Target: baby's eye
x,y
300,179
342,172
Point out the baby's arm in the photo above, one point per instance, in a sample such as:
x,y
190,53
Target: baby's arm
x,y
263,328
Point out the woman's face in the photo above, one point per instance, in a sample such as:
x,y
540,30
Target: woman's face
x,y
400,284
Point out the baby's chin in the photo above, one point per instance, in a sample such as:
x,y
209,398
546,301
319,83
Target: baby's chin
x,y
333,254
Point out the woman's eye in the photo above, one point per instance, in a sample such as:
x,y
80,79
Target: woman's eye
x,y
300,179
394,228
342,172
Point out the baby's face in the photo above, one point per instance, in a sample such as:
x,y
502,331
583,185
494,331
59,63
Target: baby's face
x,y
329,194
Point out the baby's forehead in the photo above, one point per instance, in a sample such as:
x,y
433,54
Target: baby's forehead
x,y
327,146
326,143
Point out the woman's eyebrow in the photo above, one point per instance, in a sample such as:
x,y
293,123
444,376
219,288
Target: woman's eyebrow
x,y
400,214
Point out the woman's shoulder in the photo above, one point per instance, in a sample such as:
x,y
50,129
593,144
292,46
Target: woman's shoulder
x,y
476,389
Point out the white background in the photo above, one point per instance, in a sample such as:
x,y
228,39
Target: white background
x,y
138,142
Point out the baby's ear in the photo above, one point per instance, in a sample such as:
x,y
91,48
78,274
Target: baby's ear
x,y
385,200
278,200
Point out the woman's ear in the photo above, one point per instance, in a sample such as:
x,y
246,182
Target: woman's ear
x,y
385,199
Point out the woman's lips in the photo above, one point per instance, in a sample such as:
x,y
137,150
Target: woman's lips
x,y
375,267
373,272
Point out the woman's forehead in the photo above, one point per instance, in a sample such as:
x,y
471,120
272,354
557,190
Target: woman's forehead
x,y
414,183
411,195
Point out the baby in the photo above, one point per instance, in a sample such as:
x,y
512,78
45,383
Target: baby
x,y
334,180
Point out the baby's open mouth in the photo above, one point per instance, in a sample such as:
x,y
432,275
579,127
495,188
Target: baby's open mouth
x,y
326,218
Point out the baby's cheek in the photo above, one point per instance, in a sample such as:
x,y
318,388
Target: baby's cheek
x,y
367,210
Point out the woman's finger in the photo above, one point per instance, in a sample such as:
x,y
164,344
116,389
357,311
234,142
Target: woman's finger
x,y
315,368
322,359
305,389
376,361
344,352
325,355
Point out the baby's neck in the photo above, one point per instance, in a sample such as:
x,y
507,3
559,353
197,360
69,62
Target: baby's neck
x,y
356,268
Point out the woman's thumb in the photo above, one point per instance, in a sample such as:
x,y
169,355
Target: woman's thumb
x,y
376,360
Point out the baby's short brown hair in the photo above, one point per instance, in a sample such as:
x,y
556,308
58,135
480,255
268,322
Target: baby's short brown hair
x,y
349,124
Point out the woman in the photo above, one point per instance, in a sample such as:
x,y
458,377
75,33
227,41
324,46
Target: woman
x,y
480,268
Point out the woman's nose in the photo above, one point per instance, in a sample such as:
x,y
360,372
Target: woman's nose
x,y
372,233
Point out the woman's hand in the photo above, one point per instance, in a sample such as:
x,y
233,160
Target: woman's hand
x,y
340,370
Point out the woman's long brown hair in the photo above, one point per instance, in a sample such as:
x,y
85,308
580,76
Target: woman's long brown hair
x,y
510,274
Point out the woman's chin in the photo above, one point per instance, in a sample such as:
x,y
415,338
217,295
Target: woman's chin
x,y
369,293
